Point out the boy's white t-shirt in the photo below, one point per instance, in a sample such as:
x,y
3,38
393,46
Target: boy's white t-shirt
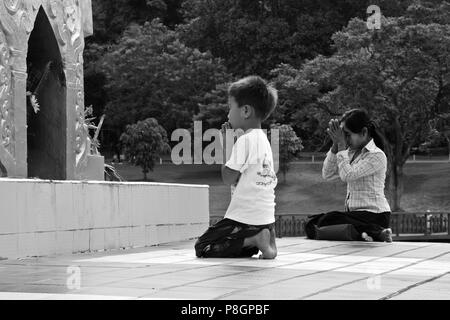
x,y
253,198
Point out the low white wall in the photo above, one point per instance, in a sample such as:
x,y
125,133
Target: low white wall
x,y
40,218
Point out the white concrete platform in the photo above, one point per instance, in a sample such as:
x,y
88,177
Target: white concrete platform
x,y
43,217
304,269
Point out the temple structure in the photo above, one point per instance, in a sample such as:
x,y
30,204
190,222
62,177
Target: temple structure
x,y
42,129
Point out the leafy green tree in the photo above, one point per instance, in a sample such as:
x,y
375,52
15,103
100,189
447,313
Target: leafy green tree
x,y
299,107
399,73
213,109
111,18
144,143
441,128
150,73
289,146
94,78
253,36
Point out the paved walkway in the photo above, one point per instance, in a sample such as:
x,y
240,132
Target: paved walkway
x,y
304,269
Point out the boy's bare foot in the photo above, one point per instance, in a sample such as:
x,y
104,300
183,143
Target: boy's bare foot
x,y
263,243
272,240
273,246
386,235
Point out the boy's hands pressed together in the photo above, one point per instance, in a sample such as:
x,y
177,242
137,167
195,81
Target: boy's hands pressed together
x,y
225,126
229,176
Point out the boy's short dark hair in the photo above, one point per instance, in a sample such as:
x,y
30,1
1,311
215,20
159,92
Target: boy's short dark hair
x,y
255,91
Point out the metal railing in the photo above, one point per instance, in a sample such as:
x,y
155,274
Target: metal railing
x,y
405,226
420,225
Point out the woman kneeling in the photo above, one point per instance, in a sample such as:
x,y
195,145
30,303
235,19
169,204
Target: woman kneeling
x,y
357,157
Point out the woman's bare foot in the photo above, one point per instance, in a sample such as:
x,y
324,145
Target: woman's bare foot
x,y
366,237
386,235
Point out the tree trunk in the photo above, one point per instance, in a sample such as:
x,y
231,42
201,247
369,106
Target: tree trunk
x,y
145,174
395,187
117,151
394,174
448,142
395,183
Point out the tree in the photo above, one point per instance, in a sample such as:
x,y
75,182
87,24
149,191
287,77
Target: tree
x,y
113,17
400,74
441,128
254,36
213,109
150,73
289,146
144,143
298,106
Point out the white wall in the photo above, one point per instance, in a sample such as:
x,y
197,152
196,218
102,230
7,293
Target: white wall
x,y
40,218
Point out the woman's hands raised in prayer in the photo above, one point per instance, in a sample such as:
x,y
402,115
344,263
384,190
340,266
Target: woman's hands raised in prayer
x,y
337,135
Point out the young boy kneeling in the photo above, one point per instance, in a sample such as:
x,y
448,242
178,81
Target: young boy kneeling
x,y
248,225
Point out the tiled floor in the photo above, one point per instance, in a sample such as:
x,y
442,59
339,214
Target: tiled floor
x,y
304,269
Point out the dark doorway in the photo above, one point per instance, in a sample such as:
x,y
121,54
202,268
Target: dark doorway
x,y
3,172
46,104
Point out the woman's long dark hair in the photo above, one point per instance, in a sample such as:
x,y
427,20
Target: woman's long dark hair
x,y
357,119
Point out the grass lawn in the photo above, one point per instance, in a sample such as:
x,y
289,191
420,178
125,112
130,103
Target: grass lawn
x,y
427,186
